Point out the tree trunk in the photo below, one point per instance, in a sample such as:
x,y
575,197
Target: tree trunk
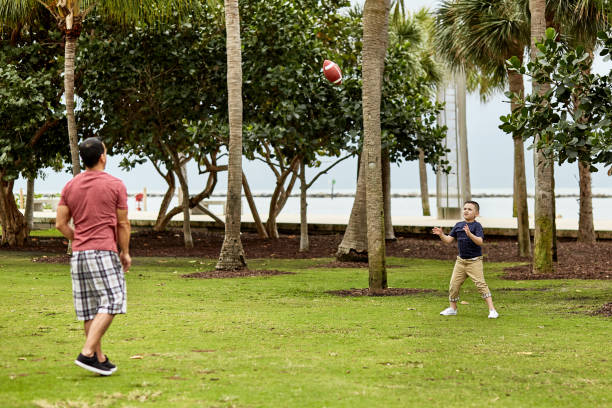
x,y
586,229
423,183
520,183
29,205
544,196
261,230
386,179
304,245
554,211
354,245
279,197
161,223
232,253
182,177
375,32
466,186
73,137
14,226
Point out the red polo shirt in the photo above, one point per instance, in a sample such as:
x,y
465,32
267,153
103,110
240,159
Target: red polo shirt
x,y
93,198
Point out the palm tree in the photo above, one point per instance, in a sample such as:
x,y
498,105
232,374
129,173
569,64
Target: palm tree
x,y
232,254
375,37
544,197
70,15
408,29
480,35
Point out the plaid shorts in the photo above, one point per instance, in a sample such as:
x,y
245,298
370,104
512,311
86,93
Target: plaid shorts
x,y
98,284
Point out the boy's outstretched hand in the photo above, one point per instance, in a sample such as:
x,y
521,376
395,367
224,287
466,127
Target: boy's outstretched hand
x,y
437,231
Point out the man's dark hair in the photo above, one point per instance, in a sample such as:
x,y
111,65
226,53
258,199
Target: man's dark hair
x,y
91,149
475,204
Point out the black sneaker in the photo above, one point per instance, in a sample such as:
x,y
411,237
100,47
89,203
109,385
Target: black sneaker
x,y
92,364
106,363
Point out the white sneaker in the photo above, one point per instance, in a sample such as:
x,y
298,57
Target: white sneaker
x,y
449,311
493,314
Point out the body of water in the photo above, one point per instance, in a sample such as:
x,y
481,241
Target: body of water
x,y
493,204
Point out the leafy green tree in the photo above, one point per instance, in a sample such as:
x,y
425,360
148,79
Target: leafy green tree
x,y
158,105
70,15
292,113
573,117
580,21
31,136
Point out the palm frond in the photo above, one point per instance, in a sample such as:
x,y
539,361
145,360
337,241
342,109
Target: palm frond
x,y
17,11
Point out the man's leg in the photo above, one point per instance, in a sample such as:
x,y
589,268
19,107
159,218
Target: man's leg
x,y
94,330
87,325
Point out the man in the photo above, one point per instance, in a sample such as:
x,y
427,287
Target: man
x,y
97,203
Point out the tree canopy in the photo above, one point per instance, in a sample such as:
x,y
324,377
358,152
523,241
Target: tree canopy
x,y
574,117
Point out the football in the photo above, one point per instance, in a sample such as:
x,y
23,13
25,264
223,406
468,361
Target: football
x,y
332,72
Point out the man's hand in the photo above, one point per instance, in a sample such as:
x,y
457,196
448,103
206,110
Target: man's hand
x,y
126,261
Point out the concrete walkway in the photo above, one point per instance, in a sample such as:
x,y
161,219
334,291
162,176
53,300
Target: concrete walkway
x,y
290,223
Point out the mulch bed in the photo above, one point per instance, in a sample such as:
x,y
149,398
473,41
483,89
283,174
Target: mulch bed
x,y
605,310
386,292
576,260
347,264
235,274
53,259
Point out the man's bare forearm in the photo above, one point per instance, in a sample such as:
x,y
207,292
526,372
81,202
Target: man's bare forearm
x,y
123,237
66,230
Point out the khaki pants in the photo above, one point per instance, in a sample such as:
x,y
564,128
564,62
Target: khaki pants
x,y
464,268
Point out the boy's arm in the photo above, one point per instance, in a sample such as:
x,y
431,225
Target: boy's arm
x,y
445,238
475,239
61,222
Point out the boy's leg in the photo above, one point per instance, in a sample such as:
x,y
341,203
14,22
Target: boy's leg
x,y
475,270
458,277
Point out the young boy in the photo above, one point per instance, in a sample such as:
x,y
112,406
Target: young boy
x,y
469,236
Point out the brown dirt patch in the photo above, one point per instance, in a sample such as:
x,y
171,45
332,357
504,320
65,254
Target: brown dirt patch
x,y
53,259
347,264
353,292
235,274
605,310
575,260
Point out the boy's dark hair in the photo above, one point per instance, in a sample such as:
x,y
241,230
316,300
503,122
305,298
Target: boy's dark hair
x,y
91,149
475,204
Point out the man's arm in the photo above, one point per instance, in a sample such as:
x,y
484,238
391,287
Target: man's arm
x,y
61,222
123,239
445,238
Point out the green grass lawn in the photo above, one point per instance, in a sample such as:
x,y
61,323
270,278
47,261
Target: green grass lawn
x,y
283,342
